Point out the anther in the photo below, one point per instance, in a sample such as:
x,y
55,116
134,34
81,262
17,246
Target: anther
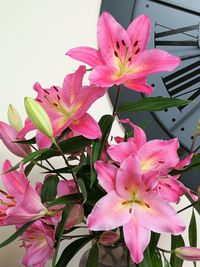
x,y
117,45
168,185
55,104
39,100
46,92
115,52
58,97
130,210
137,51
135,44
129,59
123,43
147,205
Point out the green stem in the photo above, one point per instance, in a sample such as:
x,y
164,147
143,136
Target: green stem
x,y
164,250
116,101
66,162
189,206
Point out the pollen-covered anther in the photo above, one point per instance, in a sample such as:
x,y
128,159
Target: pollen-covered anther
x,y
147,205
135,44
117,44
116,54
124,44
46,92
137,51
54,87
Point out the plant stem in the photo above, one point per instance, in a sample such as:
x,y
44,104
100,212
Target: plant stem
x,y
189,206
164,250
66,162
116,100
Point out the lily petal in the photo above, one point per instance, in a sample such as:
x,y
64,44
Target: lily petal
x,y
87,127
139,85
88,55
109,213
137,239
121,151
139,31
106,175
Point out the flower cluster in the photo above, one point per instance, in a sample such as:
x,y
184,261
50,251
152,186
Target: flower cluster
x,y
121,190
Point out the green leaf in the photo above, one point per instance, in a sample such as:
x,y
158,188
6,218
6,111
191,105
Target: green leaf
x,y
156,259
29,168
16,234
153,242
196,206
29,158
147,260
49,188
83,189
68,199
166,262
193,230
176,242
31,141
69,146
152,104
69,252
60,229
105,124
93,256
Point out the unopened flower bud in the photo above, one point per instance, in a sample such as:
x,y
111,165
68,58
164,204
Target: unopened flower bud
x,y
108,238
38,116
14,118
188,253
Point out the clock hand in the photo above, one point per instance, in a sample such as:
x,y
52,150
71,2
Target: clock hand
x,y
188,56
171,4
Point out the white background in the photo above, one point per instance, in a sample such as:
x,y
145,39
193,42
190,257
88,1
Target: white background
x,y
34,36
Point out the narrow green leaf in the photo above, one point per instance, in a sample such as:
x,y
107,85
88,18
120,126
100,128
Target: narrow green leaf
x,y
83,189
49,188
197,206
29,158
105,124
152,104
153,243
193,230
147,262
31,141
60,229
16,234
156,259
93,256
176,242
69,252
68,199
69,146
166,262
29,168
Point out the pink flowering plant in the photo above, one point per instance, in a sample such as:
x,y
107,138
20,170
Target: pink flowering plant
x,y
120,188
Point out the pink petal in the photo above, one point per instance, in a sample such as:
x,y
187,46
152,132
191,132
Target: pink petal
x,y
112,39
152,61
139,135
87,127
9,135
184,162
42,140
72,85
139,85
106,175
27,128
139,31
158,155
108,213
14,182
137,239
88,55
121,151
66,188
157,215
105,76
128,180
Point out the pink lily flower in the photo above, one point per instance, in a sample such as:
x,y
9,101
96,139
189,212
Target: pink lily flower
x,y
9,135
38,240
67,107
14,207
130,204
122,57
77,213
188,253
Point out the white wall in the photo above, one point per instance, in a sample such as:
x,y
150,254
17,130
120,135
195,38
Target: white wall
x,y
34,36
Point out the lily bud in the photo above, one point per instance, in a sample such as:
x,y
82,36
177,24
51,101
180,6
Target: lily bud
x,y
14,118
9,135
38,116
188,253
108,238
